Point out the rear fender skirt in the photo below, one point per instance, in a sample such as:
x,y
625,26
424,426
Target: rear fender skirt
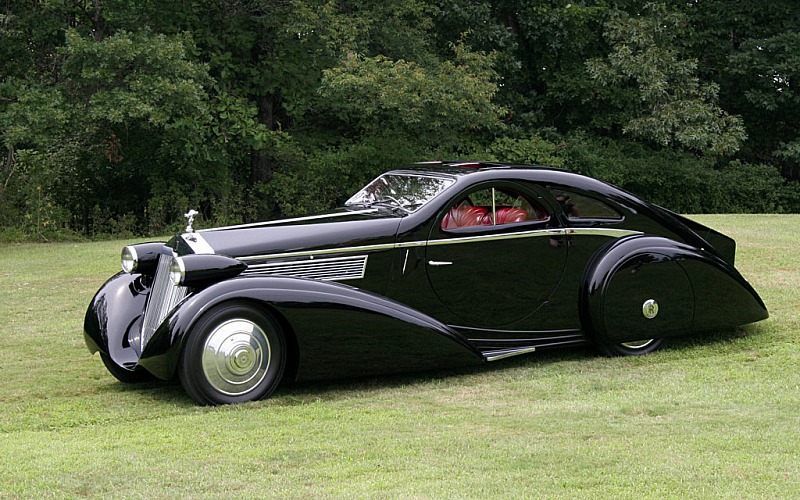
x,y
691,288
339,330
723,298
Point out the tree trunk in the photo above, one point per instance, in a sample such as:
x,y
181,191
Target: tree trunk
x,y
98,31
261,167
9,165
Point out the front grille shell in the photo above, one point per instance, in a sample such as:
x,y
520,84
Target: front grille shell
x,y
164,296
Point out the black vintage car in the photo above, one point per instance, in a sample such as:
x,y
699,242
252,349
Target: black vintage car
x,y
433,265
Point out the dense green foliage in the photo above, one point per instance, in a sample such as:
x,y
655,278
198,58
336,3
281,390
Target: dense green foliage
x,y
116,117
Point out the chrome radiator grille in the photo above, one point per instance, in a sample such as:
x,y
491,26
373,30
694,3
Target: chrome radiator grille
x,y
164,296
336,268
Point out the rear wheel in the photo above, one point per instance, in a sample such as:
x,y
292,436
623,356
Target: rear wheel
x,y
235,353
635,348
637,297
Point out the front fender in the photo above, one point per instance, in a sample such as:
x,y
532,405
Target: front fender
x,y
339,330
114,315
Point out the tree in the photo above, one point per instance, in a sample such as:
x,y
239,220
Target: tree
x,y
441,105
666,102
117,116
143,116
771,68
740,45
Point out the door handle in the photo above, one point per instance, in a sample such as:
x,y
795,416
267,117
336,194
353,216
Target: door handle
x,y
439,263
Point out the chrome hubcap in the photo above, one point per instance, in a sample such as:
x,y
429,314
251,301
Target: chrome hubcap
x,y
236,357
241,360
650,309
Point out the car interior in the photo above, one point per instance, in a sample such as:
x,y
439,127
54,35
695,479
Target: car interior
x,y
489,207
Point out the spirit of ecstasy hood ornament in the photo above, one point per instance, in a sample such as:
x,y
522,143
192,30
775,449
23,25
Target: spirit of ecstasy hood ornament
x,y
190,217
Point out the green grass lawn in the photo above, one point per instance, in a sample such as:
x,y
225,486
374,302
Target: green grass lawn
x,y
718,417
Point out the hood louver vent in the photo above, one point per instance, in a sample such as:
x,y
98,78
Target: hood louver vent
x,y
332,269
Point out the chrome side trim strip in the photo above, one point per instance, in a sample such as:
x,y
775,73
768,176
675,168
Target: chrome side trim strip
x,y
324,251
601,231
531,333
295,219
411,244
334,269
197,243
498,237
613,233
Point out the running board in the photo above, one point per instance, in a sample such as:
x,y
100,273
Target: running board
x,y
494,352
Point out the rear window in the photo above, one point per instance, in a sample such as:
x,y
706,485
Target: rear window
x,y
578,206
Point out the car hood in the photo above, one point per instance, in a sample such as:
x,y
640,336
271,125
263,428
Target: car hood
x,y
341,228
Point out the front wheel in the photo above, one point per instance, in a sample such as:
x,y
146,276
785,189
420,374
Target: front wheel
x,y
235,353
636,348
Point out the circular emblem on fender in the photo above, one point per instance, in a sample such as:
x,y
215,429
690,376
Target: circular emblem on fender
x,y
650,308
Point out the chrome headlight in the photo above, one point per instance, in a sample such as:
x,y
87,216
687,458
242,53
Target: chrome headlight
x,y
177,271
130,259
142,258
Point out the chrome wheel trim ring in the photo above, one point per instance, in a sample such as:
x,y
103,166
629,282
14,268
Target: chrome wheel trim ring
x,y
638,344
236,357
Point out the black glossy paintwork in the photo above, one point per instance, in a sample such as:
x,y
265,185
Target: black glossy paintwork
x,y
354,229
580,283
115,314
496,283
338,329
148,254
203,270
695,291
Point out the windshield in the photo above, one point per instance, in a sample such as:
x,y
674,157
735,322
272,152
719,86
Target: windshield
x,y
406,191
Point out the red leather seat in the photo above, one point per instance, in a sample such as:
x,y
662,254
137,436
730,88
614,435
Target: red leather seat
x,y
463,216
507,215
